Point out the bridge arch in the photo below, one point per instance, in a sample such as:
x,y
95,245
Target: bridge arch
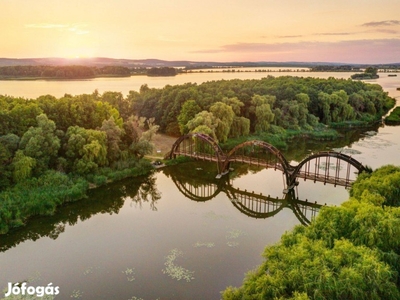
x,y
278,161
340,174
186,145
199,193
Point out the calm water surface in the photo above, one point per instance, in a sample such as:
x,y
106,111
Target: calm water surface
x,y
36,88
179,233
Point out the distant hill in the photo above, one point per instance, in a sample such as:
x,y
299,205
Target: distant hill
x,y
131,63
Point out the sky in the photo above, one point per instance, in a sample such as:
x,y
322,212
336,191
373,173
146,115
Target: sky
x,y
343,31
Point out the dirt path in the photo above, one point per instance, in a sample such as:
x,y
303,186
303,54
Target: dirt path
x,y
163,144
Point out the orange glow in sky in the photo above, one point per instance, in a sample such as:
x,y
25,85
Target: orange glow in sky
x,y
347,31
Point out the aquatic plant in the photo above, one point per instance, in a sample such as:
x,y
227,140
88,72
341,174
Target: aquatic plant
x,y
27,297
129,274
76,294
233,235
175,271
207,245
232,244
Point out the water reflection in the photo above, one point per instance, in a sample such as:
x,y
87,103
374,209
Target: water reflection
x,y
107,200
147,192
203,187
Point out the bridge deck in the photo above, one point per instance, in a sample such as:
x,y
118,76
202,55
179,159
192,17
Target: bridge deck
x,y
346,182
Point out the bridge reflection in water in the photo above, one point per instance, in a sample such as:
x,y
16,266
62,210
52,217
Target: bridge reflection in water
x,y
252,204
328,167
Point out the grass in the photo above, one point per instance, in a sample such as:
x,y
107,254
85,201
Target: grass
x,y
394,117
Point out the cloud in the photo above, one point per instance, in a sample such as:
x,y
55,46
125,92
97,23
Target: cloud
x,y
75,28
382,23
288,36
390,31
352,51
334,33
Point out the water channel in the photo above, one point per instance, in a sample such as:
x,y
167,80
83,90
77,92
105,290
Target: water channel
x,y
178,233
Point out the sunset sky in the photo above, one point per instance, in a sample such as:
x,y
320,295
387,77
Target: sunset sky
x,y
347,31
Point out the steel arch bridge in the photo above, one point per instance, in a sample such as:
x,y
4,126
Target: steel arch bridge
x,y
328,166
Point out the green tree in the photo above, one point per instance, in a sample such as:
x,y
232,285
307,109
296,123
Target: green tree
x,y
23,166
41,143
188,112
240,127
264,117
113,133
203,122
302,265
224,115
86,149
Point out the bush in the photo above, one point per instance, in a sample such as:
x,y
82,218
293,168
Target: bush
x,y
38,196
347,252
99,180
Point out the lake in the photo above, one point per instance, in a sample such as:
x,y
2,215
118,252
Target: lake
x,y
178,233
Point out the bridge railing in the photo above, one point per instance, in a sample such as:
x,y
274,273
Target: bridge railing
x,y
316,167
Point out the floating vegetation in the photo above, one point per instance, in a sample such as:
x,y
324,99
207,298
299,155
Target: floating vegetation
x,y
88,271
232,244
233,235
27,297
213,216
175,271
129,274
207,245
76,294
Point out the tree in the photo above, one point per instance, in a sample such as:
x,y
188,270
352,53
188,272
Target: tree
x,y
41,143
240,127
235,103
306,266
264,117
113,133
203,122
5,160
188,112
224,115
86,149
23,166
260,111
136,138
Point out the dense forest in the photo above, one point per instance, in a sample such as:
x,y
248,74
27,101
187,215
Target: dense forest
x,y
62,72
231,108
349,252
162,71
52,149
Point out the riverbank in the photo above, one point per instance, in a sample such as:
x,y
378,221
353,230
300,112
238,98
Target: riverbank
x,y
394,117
41,196
339,239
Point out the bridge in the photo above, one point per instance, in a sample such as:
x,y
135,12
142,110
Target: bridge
x,y
327,166
254,205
